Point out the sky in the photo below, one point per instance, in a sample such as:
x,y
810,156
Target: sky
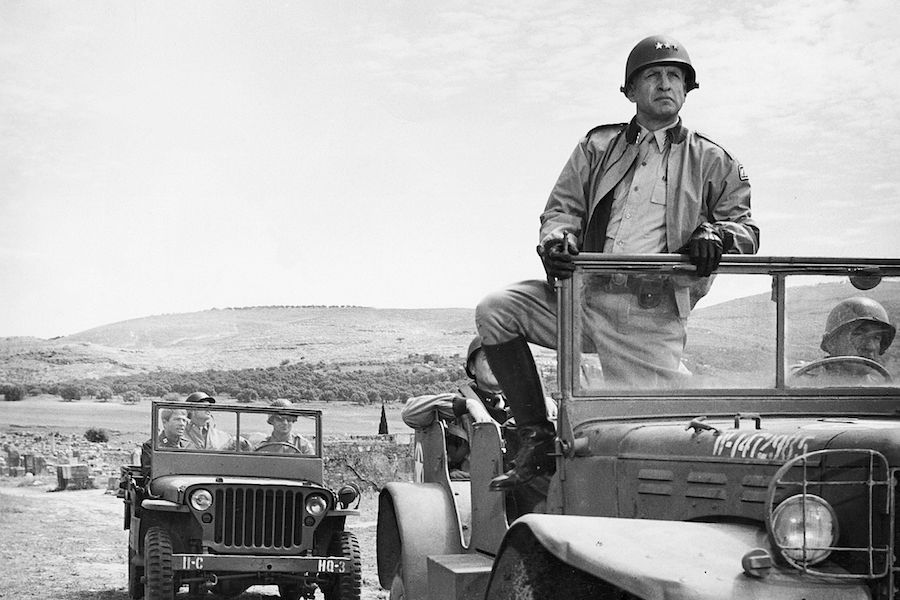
x,y
170,156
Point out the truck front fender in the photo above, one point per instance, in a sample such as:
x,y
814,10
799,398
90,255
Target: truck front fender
x,y
415,520
652,560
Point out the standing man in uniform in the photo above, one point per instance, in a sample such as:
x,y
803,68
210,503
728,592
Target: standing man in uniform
x,y
648,186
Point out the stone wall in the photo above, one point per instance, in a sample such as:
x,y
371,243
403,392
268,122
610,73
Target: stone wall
x,y
368,461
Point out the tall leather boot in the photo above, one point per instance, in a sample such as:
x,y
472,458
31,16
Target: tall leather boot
x,y
513,365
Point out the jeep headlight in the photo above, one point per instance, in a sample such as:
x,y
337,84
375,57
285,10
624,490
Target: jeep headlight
x,y
201,499
316,505
805,528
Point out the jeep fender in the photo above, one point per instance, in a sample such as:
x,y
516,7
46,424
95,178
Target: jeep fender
x,y
415,520
653,560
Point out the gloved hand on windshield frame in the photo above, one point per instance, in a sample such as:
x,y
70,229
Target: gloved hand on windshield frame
x,y
706,247
556,253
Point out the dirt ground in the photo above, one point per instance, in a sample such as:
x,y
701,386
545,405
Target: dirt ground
x,y
70,545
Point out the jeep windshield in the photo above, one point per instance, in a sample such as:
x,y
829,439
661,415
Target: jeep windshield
x,y
765,327
213,429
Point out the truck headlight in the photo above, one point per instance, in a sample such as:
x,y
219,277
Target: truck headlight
x,y
316,505
805,528
201,499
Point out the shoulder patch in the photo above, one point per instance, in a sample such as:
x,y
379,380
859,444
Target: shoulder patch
x,y
742,173
612,127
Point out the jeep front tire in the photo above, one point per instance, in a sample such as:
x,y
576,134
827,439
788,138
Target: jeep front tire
x,y
159,581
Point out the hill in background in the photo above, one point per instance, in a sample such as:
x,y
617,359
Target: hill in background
x,y
731,336
226,339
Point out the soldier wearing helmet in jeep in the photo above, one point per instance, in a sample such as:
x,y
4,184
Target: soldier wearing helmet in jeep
x,y
283,439
480,401
201,428
858,332
644,187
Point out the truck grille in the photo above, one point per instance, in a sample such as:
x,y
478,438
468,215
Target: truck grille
x,y
252,519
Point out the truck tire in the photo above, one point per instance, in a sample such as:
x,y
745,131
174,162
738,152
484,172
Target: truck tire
x,y
159,583
345,586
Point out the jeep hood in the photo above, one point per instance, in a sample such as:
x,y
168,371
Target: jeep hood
x,y
170,487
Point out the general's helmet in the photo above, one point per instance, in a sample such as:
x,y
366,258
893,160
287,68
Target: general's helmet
x,y
857,310
474,346
200,397
660,50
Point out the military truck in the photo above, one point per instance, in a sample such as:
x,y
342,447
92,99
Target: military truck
x,y
768,471
237,507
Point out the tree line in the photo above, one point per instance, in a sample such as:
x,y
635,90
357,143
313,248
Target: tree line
x,y
299,382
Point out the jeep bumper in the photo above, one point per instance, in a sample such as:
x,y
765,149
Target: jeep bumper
x,y
260,564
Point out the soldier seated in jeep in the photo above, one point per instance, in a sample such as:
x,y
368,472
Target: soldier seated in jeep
x,y
174,422
282,439
857,334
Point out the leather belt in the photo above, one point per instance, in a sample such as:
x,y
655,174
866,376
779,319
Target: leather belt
x,y
649,289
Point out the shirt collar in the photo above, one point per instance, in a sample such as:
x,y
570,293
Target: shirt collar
x,y
674,133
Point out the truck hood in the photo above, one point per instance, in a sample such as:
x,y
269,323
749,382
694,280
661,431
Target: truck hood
x,y
776,440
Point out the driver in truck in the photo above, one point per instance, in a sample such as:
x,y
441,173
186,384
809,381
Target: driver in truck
x,y
644,187
858,332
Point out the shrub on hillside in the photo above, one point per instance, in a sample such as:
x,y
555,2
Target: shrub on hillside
x,y
131,397
103,393
70,393
247,396
12,393
96,435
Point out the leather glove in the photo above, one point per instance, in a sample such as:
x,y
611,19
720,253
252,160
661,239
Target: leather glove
x,y
705,248
556,254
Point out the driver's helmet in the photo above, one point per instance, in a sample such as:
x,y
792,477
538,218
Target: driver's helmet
x,y
474,346
660,50
857,310
279,403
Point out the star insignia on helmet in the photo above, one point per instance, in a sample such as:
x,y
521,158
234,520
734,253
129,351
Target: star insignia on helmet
x,y
659,45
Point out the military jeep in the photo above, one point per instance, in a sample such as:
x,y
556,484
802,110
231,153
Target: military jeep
x,y
767,471
244,510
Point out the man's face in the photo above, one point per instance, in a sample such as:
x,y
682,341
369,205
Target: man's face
x,y
282,425
199,417
484,377
175,426
861,339
659,94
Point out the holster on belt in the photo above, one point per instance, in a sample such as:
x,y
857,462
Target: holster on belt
x,y
648,289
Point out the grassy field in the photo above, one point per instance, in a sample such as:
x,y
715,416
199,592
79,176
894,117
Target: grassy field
x,y
128,420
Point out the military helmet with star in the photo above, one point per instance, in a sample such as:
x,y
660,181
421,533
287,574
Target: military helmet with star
x,y
660,50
